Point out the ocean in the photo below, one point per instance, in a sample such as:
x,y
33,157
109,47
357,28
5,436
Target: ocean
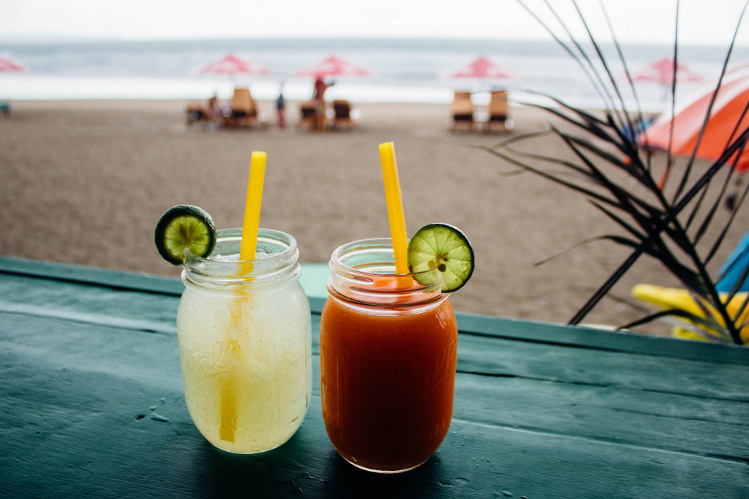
x,y
403,70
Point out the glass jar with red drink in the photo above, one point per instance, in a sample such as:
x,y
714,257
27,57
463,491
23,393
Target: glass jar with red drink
x,y
388,350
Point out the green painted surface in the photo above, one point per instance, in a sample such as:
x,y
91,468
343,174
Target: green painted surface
x,y
314,279
91,405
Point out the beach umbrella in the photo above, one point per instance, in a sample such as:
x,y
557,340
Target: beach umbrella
x,y
484,69
481,74
8,65
232,65
662,72
729,117
334,66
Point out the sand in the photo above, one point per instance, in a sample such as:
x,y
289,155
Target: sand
x,y
84,182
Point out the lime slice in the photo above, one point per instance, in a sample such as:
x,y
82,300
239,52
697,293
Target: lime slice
x,y
184,226
445,248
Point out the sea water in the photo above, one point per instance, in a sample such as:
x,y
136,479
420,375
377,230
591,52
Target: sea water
x,y
403,70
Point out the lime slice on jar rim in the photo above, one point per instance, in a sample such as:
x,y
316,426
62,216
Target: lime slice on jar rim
x,y
184,227
445,248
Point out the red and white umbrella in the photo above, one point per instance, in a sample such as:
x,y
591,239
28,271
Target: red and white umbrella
x,y
662,72
485,69
334,66
729,117
232,65
8,65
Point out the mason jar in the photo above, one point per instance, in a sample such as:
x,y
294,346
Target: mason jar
x,y
244,333
388,350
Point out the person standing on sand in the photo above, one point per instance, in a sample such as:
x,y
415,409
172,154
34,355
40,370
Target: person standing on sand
x,y
319,97
214,109
280,108
320,88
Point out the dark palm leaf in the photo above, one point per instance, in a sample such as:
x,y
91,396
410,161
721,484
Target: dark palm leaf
x,y
666,229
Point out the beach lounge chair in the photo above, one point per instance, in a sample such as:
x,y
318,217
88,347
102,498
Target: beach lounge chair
x,y
243,111
195,113
734,268
342,114
199,114
498,111
462,110
308,115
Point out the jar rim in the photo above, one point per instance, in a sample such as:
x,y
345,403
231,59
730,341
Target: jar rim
x,y
361,271
383,245
280,256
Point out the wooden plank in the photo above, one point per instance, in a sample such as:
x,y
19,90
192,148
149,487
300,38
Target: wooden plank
x,y
480,354
501,357
601,340
86,303
98,411
93,295
486,355
91,275
468,323
314,276
599,394
606,412
669,422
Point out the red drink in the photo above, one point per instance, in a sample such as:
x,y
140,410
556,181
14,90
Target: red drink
x,y
388,348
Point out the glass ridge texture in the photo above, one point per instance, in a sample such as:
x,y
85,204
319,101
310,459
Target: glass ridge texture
x,y
244,332
388,351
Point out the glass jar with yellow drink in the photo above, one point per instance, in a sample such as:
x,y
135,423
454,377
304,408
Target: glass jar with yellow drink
x,y
245,342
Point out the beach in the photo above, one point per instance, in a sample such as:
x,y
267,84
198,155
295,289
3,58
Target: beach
x,y
85,181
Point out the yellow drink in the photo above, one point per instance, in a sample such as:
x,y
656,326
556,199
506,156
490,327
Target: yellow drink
x,y
245,350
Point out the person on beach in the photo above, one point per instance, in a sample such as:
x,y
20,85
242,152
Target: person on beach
x,y
319,97
280,108
214,109
320,88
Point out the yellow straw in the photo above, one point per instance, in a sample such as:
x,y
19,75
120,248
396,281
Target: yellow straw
x,y
395,207
228,397
252,206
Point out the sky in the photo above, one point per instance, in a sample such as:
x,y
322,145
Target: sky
x,y
702,21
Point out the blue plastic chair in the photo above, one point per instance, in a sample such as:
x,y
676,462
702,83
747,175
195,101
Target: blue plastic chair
x,y
731,271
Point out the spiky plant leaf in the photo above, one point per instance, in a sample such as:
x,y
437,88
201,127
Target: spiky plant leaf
x,y
667,229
